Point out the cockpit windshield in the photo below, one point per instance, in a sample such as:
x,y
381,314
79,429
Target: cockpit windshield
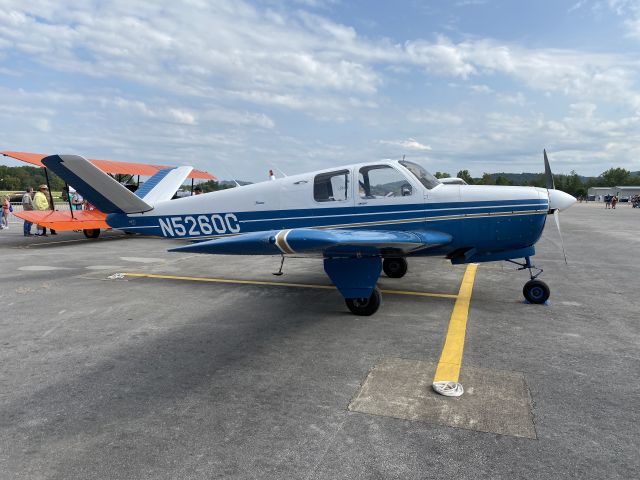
x,y
421,174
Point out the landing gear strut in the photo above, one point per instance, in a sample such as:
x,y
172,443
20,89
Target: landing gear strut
x,y
394,267
535,291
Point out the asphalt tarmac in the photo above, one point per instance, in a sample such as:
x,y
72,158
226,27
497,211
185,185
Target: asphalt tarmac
x,y
186,375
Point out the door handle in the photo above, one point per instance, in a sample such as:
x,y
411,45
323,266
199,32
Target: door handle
x,y
362,203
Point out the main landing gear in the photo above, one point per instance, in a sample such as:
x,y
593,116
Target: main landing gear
x,y
365,306
394,267
91,233
535,291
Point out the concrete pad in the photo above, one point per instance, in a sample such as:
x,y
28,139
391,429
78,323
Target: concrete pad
x,y
494,401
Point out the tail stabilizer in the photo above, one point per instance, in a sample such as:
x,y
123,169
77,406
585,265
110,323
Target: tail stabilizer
x,y
163,185
95,185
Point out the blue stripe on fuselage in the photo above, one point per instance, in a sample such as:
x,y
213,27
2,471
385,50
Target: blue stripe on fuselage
x,y
487,225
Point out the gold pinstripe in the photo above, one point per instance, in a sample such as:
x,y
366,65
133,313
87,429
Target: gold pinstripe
x,y
281,242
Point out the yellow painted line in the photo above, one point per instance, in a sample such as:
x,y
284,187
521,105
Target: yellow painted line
x,y
421,294
448,369
279,284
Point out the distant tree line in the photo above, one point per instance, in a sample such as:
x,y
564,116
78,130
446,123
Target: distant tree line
x,y
573,183
19,178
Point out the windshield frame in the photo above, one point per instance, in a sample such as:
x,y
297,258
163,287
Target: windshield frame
x,y
421,174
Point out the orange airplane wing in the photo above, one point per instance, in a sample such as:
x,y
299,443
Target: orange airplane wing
x,y
109,166
62,220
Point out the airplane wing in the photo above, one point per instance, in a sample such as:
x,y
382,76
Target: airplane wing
x,y
329,242
62,221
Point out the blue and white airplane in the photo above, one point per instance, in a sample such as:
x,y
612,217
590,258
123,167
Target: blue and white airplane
x,y
361,219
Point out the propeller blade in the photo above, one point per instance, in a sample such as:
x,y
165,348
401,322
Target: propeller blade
x,y
556,216
547,173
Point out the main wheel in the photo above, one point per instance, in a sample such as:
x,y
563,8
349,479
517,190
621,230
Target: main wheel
x,y
365,306
395,267
536,291
92,232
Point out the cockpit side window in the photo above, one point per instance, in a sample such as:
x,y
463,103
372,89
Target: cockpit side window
x,y
382,181
331,186
421,174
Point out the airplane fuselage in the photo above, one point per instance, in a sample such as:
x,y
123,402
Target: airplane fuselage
x,y
485,219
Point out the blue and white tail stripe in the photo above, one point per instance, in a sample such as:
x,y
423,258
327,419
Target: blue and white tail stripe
x,y
152,182
163,185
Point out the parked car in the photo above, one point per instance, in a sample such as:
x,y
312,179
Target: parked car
x,y
16,197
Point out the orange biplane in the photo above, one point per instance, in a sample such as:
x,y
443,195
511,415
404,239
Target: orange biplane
x,y
89,221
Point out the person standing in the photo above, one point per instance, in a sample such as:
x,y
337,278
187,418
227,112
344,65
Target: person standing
x,y
614,201
6,209
27,205
40,203
77,201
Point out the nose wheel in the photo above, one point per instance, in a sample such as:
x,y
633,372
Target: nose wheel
x,y
535,291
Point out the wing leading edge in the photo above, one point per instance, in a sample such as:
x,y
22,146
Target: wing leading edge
x,y
330,242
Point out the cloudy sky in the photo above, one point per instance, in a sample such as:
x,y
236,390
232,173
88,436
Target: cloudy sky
x,y
237,87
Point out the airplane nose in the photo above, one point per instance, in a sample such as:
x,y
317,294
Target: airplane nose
x,y
559,200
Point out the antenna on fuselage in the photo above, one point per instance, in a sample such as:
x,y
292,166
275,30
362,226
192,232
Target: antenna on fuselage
x,y
226,172
283,174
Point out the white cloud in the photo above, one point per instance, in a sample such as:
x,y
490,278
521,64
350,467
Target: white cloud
x,y
434,117
408,144
516,99
481,89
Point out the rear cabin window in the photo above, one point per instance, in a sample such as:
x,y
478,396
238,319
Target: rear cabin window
x,y
382,181
331,186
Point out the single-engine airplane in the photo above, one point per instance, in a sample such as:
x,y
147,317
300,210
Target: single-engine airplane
x,y
361,219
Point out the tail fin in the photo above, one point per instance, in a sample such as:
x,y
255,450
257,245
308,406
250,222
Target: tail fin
x,y
95,185
163,185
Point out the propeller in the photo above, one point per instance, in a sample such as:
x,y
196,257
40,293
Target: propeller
x,y
556,216
558,200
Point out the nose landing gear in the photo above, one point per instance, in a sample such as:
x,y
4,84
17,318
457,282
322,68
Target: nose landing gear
x,y
535,291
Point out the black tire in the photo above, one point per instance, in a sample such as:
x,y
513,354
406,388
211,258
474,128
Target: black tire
x,y
91,233
365,306
395,267
536,291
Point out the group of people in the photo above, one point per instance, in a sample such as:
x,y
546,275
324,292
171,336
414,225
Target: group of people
x,y
41,200
610,201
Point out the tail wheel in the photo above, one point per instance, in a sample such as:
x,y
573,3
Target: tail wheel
x,y
91,233
536,291
365,306
395,267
